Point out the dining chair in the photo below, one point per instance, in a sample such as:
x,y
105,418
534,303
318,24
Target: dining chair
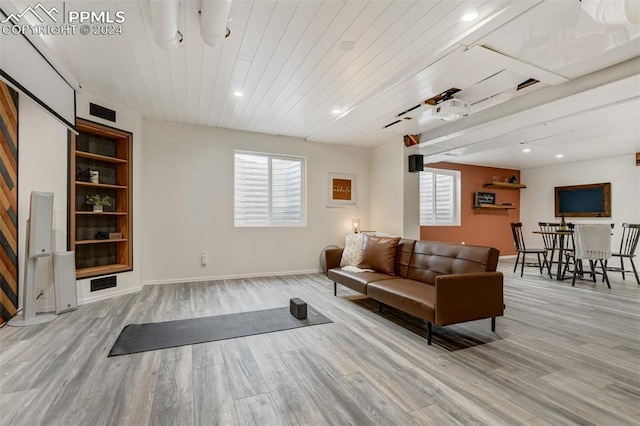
x,y
592,243
550,242
518,240
628,245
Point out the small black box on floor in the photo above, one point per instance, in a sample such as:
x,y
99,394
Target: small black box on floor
x,y
298,308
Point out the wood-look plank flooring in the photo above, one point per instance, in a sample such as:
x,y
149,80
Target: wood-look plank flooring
x,y
560,355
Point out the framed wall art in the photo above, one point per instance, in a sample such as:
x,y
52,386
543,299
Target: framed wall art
x,y
341,190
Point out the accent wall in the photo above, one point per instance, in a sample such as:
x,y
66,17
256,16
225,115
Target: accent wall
x,y
478,226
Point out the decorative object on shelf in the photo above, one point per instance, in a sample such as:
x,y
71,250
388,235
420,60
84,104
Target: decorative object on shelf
x,y
95,176
355,225
341,190
83,175
115,235
102,235
513,179
98,201
485,198
563,224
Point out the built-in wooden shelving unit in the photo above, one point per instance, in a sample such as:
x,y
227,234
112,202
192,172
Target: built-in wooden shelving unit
x,y
109,152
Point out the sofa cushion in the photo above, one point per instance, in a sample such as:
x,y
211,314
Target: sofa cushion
x,y
379,254
431,259
403,257
353,250
356,280
412,297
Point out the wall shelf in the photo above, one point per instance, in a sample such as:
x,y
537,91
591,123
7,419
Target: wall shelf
x,y
101,185
493,207
105,158
109,152
111,240
504,185
101,270
101,213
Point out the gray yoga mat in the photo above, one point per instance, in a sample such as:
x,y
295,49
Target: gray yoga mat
x,y
160,335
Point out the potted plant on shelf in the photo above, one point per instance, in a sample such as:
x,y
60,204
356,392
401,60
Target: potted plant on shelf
x,y
98,201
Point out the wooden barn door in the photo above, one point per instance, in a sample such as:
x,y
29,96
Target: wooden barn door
x,y
9,202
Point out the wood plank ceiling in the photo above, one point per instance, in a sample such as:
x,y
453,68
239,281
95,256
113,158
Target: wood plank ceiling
x,y
285,57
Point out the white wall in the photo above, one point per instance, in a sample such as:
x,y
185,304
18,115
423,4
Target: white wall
x,y
128,120
387,188
187,205
411,201
42,166
537,200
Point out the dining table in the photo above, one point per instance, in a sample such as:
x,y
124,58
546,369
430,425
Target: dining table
x,y
559,235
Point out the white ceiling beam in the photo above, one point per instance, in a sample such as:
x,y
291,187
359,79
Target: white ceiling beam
x,y
540,103
488,56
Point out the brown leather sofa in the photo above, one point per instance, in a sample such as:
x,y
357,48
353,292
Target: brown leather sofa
x,y
441,283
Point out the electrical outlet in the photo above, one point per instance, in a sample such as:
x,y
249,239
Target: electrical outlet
x,y
204,258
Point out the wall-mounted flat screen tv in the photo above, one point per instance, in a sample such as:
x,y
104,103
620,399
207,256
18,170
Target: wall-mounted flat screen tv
x,y
593,200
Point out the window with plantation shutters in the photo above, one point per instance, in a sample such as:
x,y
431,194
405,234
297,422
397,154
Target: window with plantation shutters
x,y
439,197
269,190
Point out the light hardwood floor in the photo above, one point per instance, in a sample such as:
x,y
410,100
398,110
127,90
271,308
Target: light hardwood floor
x,y
560,355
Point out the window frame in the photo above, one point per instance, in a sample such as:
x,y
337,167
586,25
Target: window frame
x,y
457,201
303,185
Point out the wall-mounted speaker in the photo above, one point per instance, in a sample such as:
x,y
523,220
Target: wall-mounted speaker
x,y
416,163
64,280
40,224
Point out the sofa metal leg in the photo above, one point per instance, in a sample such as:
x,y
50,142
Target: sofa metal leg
x,y
493,324
428,333
335,289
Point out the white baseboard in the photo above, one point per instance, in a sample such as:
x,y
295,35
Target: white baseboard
x,y
108,295
509,256
229,277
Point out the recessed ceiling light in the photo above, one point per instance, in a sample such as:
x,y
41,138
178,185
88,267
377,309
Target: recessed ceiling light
x,y
347,45
526,150
238,94
336,111
559,155
471,16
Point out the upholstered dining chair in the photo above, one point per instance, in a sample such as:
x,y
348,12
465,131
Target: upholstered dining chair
x,y
591,243
628,246
518,240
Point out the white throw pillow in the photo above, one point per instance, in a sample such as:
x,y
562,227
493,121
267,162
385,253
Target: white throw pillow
x,y
353,250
